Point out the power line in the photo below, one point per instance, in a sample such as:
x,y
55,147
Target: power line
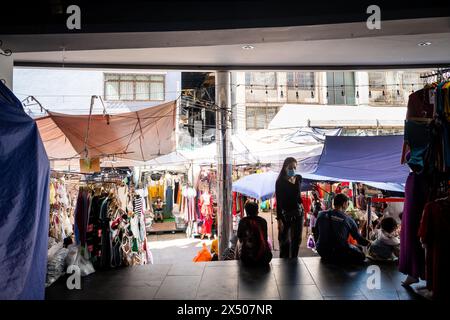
x,y
236,85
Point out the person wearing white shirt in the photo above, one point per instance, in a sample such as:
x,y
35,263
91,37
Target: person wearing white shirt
x,y
386,245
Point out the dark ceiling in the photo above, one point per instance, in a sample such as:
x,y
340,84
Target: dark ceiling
x,y
49,16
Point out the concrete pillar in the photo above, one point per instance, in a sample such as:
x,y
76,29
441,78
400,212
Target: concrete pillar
x,y
224,161
321,83
362,87
6,70
177,117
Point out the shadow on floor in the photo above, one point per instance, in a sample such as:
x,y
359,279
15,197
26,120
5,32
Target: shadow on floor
x,y
289,279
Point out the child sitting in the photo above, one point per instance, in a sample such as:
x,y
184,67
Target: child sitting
x,y
159,206
386,244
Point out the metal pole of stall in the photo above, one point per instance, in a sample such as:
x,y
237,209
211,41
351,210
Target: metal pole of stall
x,y
271,222
369,216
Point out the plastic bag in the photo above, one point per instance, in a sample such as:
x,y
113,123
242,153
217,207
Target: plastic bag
x,y
85,265
203,255
51,242
56,264
72,255
311,244
53,250
79,256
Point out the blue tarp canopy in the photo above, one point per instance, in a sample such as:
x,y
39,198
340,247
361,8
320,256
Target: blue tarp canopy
x,y
24,203
389,186
373,160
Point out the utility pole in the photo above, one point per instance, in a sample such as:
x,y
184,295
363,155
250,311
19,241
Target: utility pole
x,y
224,161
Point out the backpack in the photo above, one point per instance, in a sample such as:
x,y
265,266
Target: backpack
x,y
255,249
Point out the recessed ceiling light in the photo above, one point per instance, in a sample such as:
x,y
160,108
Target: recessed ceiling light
x,y
248,47
424,44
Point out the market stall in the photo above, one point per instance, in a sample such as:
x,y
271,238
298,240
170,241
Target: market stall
x,y
96,200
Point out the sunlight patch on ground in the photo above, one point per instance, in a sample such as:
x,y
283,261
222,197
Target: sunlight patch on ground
x,y
171,243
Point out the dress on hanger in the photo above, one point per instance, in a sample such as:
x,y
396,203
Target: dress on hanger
x,y
207,212
122,194
52,194
434,231
412,254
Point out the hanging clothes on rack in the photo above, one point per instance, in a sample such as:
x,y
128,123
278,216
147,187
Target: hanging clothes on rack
x,y
425,151
188,204
106,243
61,211
82,215
412,254
168,209
206,204
114,236
52,194
176,191
433,232
94,232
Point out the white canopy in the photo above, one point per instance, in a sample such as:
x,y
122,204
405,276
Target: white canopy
x,y
299,115
246,149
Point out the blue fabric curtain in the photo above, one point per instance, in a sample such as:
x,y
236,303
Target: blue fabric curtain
x,y
24,203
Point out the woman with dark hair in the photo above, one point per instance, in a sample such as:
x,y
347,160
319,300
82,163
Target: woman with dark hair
x,y
289,209
316,207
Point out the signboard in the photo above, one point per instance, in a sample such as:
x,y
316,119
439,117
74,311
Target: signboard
x,y
90,165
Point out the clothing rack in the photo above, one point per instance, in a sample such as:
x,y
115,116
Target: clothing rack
x,y
103,181
437,73
440,74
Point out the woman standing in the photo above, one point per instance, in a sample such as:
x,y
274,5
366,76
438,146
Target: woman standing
x,y
289,209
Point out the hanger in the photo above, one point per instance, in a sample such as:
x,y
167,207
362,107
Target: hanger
x,y
4,52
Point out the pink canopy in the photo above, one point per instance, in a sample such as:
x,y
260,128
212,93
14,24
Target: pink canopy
x,y
141,135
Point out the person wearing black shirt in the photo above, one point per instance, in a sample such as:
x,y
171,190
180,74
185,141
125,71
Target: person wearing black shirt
x,y
253,247
289,209
334,228
316,208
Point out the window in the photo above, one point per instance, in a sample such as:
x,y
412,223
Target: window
x,y
263,79
412,81
377,80
134,87
341,88
260,117
302,80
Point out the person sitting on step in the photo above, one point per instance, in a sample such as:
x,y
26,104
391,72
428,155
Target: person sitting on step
x,y
333,229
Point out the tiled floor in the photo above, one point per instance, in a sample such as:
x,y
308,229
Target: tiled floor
x,y
298,279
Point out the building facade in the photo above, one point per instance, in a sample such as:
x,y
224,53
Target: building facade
x,y
258,96
70,90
